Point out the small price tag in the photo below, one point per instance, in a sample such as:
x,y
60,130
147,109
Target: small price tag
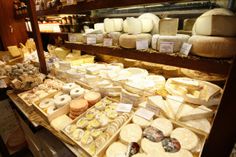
x,y
142,44
72,38
122,107
167,47
185,49
91,40
144,113
107,42
70,2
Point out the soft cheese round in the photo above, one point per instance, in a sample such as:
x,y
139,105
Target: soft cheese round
x,y
92,97
46,103
69,86
77,92
155,19
116,149
62,100
150,147
164,125
131,133
188,140
140,121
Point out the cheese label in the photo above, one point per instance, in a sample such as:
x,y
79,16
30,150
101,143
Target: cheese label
x,y
142,44
122,107
144,113
72,38
91,40
107,42
185,49
70,2
167,47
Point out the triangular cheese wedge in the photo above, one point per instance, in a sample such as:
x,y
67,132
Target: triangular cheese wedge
x,y
174,103
208,92
184,110
157,101
197,113
199,124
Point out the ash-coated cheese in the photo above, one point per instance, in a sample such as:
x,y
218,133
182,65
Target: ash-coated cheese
x,y
168,26
129,40
216,25
131,133
113,24
212,46
178,40
132,25
147,25
155,19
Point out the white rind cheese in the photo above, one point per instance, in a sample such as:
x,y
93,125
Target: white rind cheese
x,y
168,26
212,46
200,124
99,26
150,147
113,25
132,25
155,19
147,25
164,125
116,149
131,133
140,121
180,153
188,140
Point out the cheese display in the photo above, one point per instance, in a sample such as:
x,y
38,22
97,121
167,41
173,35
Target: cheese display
x,y
178,40
188,140
130,98
216,25
212,46
147,25
96,126
113,24
68,87
194,91
129,40
132,25
168,26
155,19
164,125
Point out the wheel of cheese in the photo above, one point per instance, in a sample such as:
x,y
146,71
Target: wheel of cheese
x,y
164,125
150,147
132,25
213,47
46,103
155,19
140,155
92,97
131,133
116,149
76,92
187,139
140,121
129,41
99,26
78,105
62,100
68,87
217,11
147,25
113,24
178,40
51,109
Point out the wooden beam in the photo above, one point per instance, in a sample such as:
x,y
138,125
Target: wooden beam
x,y
36,34
222,137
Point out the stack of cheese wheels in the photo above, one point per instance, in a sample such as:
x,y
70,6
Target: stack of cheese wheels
x,y
77,107
68,87
214,34
135,29
113,24
92,98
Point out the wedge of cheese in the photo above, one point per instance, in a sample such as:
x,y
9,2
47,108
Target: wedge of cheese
x,y
199,124
173,104
208,92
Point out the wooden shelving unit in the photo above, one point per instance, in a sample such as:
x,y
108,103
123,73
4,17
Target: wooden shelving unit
x,y
222,136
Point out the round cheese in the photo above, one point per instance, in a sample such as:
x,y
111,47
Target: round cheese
x,y
62,100
155,19
213,47
164,125
132,25
178,40
78,105
92,97
187,139
217,11
150,147
129,41
140,121
147,25
131,133
140,155
116,149
113,25
77,92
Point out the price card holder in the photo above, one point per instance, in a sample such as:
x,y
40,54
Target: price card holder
x,y
185,49
167,47
142,44
144,113
91,40
122,107
107,42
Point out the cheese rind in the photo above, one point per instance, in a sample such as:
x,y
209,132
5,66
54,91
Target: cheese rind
x,y
147,25
116,149
212,46
200,124
113,25
131,133
168,26
155,19
164,125
132,25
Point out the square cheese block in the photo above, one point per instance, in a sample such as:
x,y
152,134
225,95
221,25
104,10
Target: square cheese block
x,y
168,26
14,51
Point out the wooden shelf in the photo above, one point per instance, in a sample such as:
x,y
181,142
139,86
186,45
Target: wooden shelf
x,y
93,5
190,62
51,33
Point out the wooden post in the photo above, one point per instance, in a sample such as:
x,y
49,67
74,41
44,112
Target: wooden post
x,y
223,134
36,35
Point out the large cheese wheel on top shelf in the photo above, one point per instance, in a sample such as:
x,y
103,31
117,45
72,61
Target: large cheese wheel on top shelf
x,y
132,25
155,19
213,47
129,41
113,25
147,25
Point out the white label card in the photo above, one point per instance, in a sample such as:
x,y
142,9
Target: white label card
x,y
142,44
167,47
91,40
107,42
122,107
144,113
70,1
72,38
185,49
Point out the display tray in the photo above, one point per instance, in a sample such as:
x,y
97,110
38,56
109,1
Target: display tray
x,y
49,117
99,143
196,152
